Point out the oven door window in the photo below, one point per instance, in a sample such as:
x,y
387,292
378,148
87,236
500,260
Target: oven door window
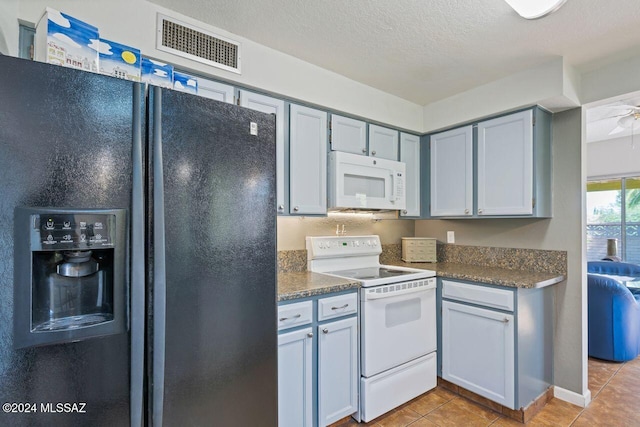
x,y
402,312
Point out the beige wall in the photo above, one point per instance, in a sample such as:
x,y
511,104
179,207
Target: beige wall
x,y
563,232
293,230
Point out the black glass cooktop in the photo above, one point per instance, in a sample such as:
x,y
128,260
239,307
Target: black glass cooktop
x,y
370,273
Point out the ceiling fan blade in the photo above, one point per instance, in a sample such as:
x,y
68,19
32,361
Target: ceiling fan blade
x,y
616,107
618,129
605,111
609,117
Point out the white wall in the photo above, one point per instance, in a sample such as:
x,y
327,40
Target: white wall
x,y
133,22
552,85
9,27
614,157
615,79
564,232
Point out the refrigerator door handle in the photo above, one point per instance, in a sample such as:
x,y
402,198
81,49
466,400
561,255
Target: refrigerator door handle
x,y
137,287
159,271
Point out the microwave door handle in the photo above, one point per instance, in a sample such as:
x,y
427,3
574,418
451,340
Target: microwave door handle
x,y
393,187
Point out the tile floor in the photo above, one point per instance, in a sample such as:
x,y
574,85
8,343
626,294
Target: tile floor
x,y
614,392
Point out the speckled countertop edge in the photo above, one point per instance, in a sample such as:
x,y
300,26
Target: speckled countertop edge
x,y
549,268
491,275
296,285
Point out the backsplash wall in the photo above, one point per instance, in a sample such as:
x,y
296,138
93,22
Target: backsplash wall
x,y
293,230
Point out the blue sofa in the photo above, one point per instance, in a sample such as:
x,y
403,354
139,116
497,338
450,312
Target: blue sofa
x,y
613,268
614,312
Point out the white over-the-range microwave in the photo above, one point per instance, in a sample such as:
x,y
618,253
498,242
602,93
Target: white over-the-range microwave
x,y
365,183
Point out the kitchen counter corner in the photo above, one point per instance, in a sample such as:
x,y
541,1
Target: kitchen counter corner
x,y
491,275
295,285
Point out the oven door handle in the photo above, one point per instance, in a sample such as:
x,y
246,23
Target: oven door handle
x,y
395,293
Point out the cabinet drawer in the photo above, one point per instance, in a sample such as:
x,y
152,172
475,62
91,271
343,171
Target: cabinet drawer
x,y
501,299
296,314
331,307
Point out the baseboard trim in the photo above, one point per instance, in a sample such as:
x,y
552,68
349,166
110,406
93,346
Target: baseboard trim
x,y
581,400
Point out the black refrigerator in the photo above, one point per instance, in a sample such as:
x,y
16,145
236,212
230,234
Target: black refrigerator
x,y
194,180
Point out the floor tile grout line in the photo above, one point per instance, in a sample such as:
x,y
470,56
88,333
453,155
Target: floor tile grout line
x,y
608,381
598,393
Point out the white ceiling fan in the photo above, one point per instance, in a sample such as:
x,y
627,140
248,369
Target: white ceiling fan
x,y
628,117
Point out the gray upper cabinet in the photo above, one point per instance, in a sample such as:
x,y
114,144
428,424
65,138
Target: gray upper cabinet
x,y
348,135
215,90
270,105
510,175
505,165
452,172
307,160
410,155
383,142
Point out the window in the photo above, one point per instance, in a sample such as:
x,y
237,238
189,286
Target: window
x,y
26,36
613,212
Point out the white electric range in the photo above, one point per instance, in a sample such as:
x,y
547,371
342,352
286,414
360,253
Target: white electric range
x,y
397,320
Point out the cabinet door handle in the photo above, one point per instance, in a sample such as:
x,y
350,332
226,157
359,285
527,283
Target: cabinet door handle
x,y
373,153
505,320
310,334
340,308
466,211
296,209
280,207
364,150
479,211
282,319
404,212
325,331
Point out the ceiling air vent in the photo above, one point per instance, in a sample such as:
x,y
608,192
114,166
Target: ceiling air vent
x,y
194,43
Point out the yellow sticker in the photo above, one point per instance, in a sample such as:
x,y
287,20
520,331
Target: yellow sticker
x,y
129,57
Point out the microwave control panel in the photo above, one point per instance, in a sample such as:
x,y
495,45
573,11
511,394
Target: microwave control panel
x,y
399,192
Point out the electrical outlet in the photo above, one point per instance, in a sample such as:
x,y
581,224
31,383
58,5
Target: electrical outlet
x,y
451,237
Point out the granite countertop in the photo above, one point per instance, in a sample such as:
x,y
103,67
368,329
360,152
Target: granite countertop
x,y
305,284
491,275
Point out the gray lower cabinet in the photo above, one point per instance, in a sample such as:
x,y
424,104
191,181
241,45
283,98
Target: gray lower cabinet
x,y
317,360
337,370
497,341
295,384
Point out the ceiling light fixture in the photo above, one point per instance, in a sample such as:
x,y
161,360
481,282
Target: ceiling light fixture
x,y
534,9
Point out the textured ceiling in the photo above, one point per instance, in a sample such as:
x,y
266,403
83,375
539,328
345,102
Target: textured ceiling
x,y
426,50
